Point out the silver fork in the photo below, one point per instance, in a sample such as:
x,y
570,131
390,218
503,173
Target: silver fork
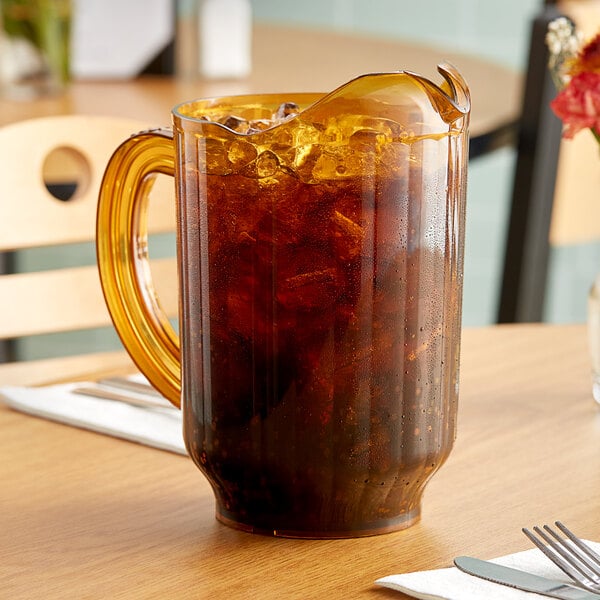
x,y
119,389
568,553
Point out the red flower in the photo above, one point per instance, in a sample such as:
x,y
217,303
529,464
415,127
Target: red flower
x,y
578,104
588,58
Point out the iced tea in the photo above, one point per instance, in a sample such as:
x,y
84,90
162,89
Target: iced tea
x,y
321,273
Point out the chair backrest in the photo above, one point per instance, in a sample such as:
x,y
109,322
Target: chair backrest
x,y
38,157
553,199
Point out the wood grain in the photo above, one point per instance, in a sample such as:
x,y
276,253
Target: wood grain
x,y
86,516
68,299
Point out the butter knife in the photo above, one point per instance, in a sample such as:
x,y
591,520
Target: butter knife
x,y
522,580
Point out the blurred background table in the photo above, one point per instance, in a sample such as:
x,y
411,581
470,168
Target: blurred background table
x,y
288,60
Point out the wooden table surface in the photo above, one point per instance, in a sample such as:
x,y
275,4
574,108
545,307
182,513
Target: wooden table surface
x,y
84,515
288,60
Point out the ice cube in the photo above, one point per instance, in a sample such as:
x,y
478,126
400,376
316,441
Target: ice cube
x,y
348,236
286,110
267,164
307,157
366,140
214,160
258,125
316,289
235,123
241,153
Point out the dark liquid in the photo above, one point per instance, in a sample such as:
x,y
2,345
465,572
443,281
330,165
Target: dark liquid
x,y
321,349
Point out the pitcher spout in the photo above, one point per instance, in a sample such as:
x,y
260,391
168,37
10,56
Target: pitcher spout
x,y
452,98
410,103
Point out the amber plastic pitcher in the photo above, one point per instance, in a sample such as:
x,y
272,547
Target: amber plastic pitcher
x,y
320,253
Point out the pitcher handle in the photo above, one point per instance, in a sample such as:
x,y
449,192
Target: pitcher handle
x,y
122,251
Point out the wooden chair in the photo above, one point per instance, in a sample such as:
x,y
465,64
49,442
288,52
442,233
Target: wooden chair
x,y
553,201
34,156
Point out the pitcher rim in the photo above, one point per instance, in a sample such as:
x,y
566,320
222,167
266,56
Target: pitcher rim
x,y
460,98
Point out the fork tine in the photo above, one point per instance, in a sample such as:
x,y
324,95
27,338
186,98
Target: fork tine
x,y
566,551
584,553
554,556
570,554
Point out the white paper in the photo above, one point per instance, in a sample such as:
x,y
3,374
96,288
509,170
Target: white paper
x,y
160,428
453,584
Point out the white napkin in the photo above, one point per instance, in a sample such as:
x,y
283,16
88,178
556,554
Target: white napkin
x,y
157,427
453,584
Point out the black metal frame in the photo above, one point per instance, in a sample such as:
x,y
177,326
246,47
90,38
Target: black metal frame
x,y
503,135
527,250
7,348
